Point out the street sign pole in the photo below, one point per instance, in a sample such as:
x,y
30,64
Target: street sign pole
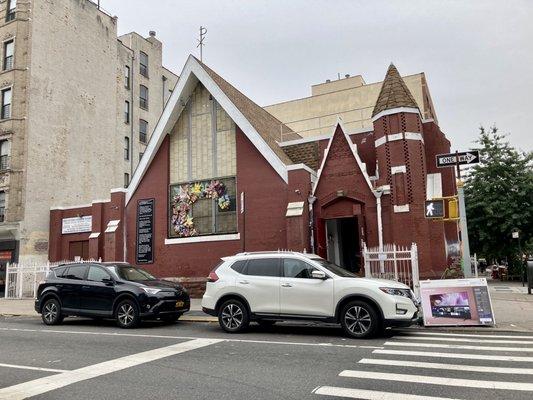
x,y
467,264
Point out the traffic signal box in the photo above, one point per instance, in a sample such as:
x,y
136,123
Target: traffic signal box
x,y
451,207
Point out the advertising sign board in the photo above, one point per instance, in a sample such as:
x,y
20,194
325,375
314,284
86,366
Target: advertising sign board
x,y
456,302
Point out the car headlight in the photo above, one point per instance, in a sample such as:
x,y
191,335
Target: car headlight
x,y
396,292
150,290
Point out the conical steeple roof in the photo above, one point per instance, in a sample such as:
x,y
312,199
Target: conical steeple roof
x,y
394,93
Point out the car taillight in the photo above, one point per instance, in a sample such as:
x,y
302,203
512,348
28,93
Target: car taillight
x,y
213,277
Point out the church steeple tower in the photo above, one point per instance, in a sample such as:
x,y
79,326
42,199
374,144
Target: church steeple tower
x,y
394,93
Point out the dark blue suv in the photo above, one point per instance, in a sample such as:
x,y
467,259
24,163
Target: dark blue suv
x,y
109,290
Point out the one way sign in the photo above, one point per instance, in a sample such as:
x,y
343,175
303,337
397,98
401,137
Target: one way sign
x,y
450,159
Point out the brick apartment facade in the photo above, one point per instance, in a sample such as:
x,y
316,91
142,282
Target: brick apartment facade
x,y
221,175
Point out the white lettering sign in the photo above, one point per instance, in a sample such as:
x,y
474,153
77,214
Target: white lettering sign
x,y
77,225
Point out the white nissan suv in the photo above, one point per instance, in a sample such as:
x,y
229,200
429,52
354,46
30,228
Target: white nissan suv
x,y
266,287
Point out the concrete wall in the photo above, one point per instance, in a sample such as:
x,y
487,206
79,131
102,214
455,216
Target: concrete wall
x,y
71,114
348,98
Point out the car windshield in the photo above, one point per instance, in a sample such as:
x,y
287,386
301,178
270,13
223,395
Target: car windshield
x,y
135,274
339,271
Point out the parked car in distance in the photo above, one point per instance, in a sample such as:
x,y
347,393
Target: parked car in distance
x,y
109,290
266,287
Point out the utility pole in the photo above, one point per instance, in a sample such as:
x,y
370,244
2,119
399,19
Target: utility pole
x,y
203,32
467,263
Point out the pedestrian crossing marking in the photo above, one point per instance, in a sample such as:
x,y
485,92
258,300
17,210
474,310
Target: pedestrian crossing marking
x,y
530,337
456,339
453,367
460,346
437,380
371,394
454,355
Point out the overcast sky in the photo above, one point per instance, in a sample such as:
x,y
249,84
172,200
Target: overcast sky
x,y
477,55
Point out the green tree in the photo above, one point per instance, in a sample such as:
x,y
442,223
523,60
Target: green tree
x,y
499,199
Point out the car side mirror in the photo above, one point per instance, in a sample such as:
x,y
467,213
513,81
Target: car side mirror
x,y
108,281
316,274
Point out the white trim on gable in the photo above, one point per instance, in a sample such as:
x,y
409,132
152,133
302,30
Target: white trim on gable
x,y
397,110
352,146
191,74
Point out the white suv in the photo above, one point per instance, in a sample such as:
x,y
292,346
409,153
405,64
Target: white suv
x,y
267,287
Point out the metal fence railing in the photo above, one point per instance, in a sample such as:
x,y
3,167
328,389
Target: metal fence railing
x,y
399,263
22,280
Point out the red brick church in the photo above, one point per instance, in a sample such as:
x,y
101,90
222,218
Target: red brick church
x,y
216,179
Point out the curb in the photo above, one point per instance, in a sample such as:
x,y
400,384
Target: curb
x,y
188,318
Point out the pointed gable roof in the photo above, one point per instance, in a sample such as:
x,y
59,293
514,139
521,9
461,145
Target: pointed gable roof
x,y
339,129
261,128
394,93
269,127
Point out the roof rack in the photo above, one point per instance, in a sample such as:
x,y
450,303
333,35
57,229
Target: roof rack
x,y
248,253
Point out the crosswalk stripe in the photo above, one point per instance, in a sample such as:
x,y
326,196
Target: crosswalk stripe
x,y
468,335
453,367
454,355
455,339
371,394
459,346
437,380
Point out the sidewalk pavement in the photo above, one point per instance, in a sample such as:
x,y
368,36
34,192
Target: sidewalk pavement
x,y
512,307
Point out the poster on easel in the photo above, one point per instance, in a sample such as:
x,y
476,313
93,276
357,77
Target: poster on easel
x,y
456,302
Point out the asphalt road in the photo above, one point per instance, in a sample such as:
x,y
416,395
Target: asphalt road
x,y
82,359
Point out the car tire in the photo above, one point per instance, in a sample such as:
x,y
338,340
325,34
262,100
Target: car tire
x,y
233,316
127,314
360,320
170,319
51,312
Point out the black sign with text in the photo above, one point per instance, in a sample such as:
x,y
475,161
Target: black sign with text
x,y
451,159
145,231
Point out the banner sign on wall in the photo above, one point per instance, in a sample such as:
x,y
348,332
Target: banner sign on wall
x,y
77,224
145,231
456,302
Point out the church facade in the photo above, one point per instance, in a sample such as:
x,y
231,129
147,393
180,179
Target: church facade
x,y
221,175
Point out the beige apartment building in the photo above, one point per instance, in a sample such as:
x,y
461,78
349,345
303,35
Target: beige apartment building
x,y
78,104
350,98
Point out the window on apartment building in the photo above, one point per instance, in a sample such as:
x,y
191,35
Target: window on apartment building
x,y
127,77
5,112
143,130
2,206
143,64
10,10
143,97
9,52
127,112
126,179
4,154
126,148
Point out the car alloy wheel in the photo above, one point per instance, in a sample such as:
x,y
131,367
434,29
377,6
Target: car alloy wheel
x,y
359,319
51,312
127,314
233,316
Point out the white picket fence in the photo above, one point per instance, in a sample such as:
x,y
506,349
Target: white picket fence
x,y
399,263
22,280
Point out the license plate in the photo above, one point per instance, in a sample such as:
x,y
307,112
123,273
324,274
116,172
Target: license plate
x,y
179,304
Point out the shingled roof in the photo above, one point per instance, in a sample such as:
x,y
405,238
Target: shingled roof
x,y
269,127
394,93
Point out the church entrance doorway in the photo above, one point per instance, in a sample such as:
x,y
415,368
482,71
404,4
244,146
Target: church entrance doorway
x,y
343,244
